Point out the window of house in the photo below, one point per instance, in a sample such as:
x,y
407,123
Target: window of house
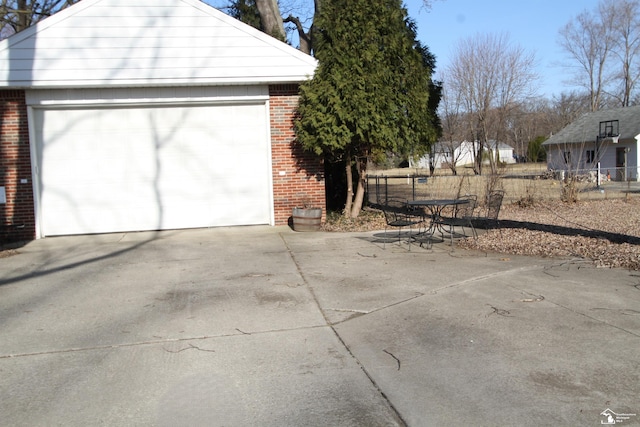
x,y
567,157
591,156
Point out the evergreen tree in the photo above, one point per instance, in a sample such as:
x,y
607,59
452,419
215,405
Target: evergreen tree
x,y
535,151
372,93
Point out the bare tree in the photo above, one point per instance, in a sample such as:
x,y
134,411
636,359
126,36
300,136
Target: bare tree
x,y
490,76
539,118
453,119
514,89
625,18
527,121
568,107
20,14
589,41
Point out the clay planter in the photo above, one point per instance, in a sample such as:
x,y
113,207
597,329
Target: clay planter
x,y
307,219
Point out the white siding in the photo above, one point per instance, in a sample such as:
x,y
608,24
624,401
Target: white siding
x,y
146,42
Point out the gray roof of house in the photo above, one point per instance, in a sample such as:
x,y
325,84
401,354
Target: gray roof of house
x,y
501,145
587,127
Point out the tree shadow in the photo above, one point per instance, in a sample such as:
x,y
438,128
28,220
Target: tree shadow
x,y
44,271
617,238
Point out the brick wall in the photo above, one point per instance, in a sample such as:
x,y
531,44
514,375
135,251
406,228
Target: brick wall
x,y
17,218
297,175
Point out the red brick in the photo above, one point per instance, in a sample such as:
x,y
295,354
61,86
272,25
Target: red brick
x,y
17,218
304,178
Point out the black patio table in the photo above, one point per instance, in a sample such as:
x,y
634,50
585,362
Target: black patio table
x,y
435,208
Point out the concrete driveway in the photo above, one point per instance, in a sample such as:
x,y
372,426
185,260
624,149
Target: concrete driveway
x,y
262,326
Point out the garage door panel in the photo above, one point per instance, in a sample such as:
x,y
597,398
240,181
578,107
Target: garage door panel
x,y
153,168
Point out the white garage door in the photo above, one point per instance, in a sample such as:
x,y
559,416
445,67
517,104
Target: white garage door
x,y
152,168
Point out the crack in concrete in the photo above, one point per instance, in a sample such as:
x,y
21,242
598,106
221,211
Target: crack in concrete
x,y
483,277
365,312
348,310
581,313
154,342
373,382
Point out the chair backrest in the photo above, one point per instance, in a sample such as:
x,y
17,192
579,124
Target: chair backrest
x,y
395,203
494,202
394,208
465,210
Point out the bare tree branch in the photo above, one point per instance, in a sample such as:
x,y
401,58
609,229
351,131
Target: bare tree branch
x,y
20,14
489,76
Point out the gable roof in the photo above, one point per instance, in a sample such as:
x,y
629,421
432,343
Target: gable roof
x,y
97,43
587,127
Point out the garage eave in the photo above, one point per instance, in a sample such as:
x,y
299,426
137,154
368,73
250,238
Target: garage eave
x,y
135,83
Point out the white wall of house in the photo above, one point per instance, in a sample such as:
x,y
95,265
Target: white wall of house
x,y
501,152
576,158
464,154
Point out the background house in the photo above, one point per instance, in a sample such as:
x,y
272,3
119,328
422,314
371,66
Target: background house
x,y
137,115
463,153
501,151
443,153
609,136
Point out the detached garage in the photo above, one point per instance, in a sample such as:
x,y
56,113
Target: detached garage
x,y
149,115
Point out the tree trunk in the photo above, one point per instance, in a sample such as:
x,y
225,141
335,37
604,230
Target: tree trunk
x,y
306,39
24,15
349,200
271,18
478,151
356,207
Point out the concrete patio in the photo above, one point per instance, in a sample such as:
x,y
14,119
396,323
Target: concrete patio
x,y
263,326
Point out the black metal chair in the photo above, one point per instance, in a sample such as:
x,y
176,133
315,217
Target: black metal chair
x,y
492,210
462,216
398,215
494,203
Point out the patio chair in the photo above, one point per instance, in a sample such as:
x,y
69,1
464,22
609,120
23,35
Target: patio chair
x,y
494,203
462,216
397,214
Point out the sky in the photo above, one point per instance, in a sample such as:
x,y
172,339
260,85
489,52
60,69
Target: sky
x,y
531,24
